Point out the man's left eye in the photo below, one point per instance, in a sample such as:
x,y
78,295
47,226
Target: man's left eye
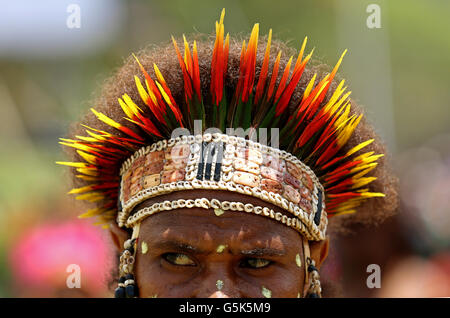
x,y
255,263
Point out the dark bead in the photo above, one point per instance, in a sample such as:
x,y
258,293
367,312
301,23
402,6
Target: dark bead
x,y
131,291
313,295
311,268
122,279
131,249
200,171
129,276
119,292
119,203
217,169
319,208
208,171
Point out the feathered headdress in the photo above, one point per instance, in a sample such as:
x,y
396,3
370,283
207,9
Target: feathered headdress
x,y
315,132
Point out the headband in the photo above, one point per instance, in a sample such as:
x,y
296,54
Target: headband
x,y
222,162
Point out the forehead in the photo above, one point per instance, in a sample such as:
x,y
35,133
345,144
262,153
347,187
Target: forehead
x,y
201,226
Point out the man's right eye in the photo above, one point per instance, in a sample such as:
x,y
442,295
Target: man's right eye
x,y
178,259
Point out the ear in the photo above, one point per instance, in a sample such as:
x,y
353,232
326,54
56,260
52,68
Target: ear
x,y
319,251
118,235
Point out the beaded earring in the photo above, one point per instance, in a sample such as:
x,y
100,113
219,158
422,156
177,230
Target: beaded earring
x,y
314,289
127,285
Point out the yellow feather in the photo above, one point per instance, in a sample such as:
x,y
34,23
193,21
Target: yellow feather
x,y
343,117
359,147
364,172
364,155
88,171
87,139
337,92
82,189
73,164
221,31
100,222
363,181
105,119
320,90
309,87
344,130
338,104
104,133
186,52
222,16
78,146
86,178
67,140
345,212
302,50
132,121
339,61
372,194
131,105
91,213
137,60
163,93
372,158
158,74
142,92
96,136
254,34
363,166
125,108
91,197
89,158
350,205
349,130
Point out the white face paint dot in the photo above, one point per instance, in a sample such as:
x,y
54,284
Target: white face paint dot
x,y
219,284
266,292
144,248
219,212
298,261
221,248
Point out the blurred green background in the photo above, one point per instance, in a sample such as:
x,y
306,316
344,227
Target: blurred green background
x,y
49,72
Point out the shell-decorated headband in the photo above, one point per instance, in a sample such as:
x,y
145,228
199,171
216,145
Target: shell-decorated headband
x,y
305,175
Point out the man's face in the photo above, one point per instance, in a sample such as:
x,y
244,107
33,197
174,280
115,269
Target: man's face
x,y
195,253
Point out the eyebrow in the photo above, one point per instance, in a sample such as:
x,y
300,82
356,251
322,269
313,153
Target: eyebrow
x,y
263,251
176,245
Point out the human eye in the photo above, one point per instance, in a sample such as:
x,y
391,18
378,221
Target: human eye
x,y
255,263
178,259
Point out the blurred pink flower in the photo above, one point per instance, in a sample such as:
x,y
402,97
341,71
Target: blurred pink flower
x,y
41,256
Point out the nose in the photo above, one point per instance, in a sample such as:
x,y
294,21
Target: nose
x,y
217,282
210,289
218,294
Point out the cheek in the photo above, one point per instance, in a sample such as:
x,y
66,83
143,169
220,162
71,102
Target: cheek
x,y
148,286
289,284
281,283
